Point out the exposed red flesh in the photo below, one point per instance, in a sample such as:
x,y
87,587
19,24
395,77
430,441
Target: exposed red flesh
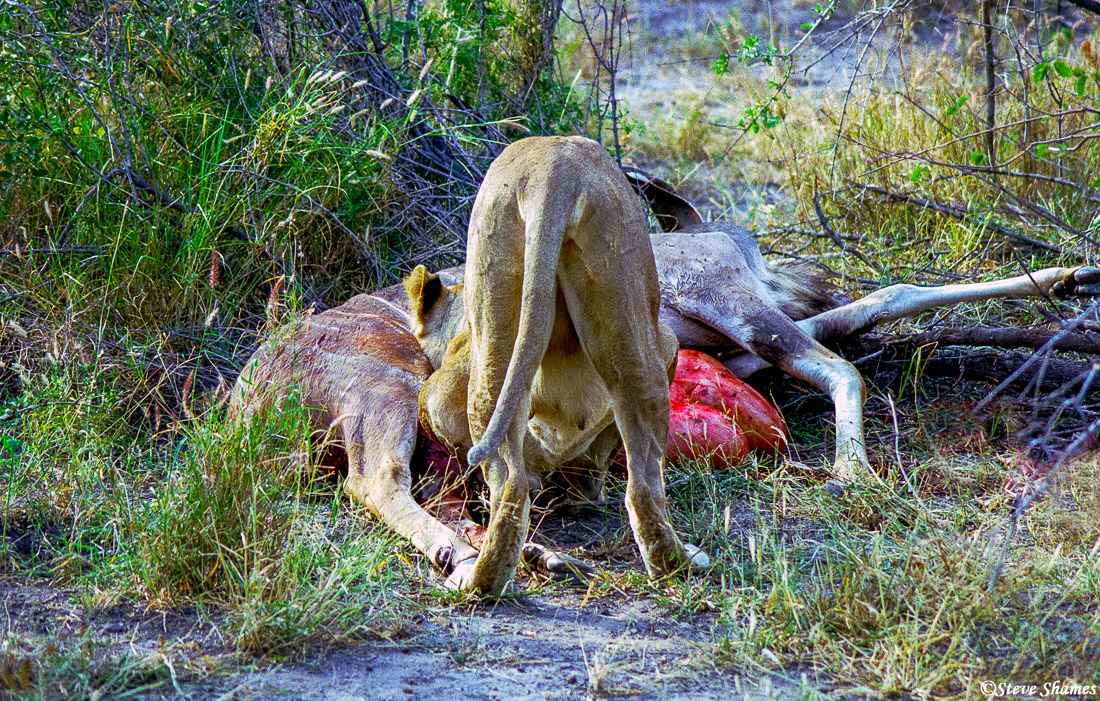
x,y
703,381
700,431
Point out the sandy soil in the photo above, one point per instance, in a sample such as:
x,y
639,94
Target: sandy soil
x,y
541,649
556,645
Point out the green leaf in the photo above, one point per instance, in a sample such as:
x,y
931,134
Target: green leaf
x,y
953,109
1042,150
807,26
918,173
722,65
977,158
1082,82
1062,68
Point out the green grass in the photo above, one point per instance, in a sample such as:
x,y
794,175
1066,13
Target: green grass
x,y
919,134
171,189
260,182
886,589
38,670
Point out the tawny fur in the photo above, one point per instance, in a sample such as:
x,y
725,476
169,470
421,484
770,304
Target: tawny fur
x,y
560,335
358,369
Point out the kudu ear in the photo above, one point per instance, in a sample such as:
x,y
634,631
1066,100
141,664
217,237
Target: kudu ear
x,y
673,212
424,289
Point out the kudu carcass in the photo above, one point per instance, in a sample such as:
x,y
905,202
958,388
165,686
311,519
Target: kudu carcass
x,y
358,369
720,296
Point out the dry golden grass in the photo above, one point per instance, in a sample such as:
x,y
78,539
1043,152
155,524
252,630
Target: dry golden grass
x,y
887,591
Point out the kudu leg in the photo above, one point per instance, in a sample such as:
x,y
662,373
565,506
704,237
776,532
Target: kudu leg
x,y
771,336
900,301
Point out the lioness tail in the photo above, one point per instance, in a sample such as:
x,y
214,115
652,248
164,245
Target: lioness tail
x,y
543,241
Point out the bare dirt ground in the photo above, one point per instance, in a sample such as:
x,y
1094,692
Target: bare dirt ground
x,y
557,644
542,648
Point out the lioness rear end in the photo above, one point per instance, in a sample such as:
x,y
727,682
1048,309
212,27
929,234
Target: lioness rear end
x,y
560,337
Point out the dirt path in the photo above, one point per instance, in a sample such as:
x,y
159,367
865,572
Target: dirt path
x,y
556,646
538,650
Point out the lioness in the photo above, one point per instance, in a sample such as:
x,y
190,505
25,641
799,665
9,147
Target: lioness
x,y
359,370
555,336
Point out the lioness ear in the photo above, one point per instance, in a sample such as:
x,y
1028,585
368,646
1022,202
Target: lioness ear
x,y
424,290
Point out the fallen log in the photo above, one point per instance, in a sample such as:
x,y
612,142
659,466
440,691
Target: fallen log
x,y
1076,342
940,355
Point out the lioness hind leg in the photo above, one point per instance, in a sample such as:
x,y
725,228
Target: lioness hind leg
x,y
643,424
381,480
626,347
509,515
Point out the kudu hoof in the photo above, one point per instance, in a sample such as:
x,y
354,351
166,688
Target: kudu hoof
x,y
556,566
1082,282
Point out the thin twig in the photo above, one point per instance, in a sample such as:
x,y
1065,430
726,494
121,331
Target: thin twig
x,y
961,214
1082,441
847,248
1046,347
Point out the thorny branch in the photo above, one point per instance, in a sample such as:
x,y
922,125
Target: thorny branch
x,y
606,47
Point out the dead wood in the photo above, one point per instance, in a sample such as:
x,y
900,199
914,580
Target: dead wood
x,y
886,352
1080,342
835,236
1090,5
